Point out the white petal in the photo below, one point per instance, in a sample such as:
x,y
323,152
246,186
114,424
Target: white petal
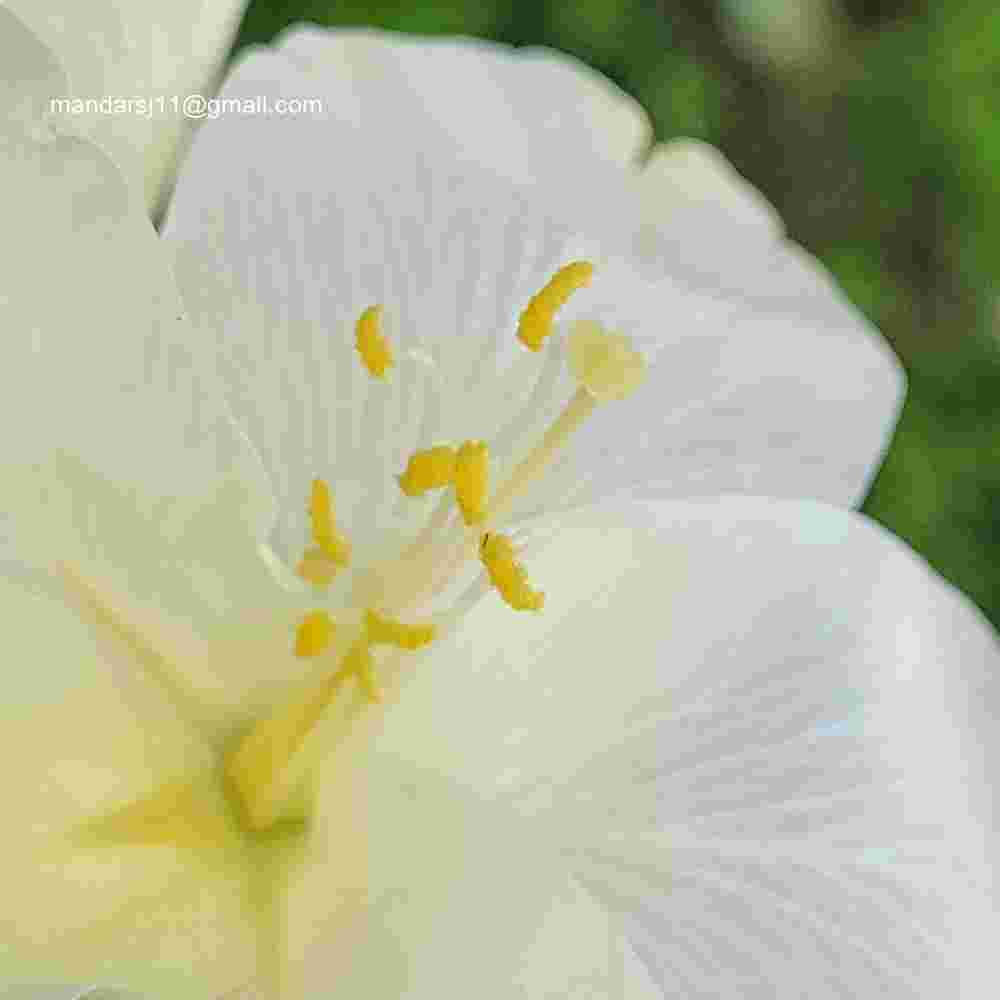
x,y
110,734
119,458
98,360
716,236
189,577
532,114
417,889
689,184
795,711
141,52
287,227
84,734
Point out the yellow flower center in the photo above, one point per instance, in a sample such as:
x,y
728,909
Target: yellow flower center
x,y
260,768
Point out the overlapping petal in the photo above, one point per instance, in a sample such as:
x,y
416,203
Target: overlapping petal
x,y
112,443
86,734
117,449
443,894
123,50
762,733
98,356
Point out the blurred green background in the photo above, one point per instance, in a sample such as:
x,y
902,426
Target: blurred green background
x,y
872,126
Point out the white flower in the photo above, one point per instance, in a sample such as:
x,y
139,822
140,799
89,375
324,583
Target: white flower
x,y
740,751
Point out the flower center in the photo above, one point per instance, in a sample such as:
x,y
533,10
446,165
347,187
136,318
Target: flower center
x,y
262,768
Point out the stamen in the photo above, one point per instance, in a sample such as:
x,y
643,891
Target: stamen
x,y
382,631
608,367
316,568
261,767
429,469
497,554
534,464
330,542
258,765
314,634
536,321
471,480
434,525
358,663
372,345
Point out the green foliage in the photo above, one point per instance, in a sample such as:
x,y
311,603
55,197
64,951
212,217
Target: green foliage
x,y
919,98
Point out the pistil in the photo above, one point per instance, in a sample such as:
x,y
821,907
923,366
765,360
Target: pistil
x,y
531,468
260,768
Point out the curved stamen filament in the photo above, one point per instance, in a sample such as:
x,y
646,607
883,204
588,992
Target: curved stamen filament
x,y
415,575
529,469
358,663
259,766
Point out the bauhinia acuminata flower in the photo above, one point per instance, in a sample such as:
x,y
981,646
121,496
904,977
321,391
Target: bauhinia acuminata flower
x,y
398,611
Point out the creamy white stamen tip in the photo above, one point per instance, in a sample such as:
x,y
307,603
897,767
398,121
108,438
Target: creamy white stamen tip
x,y
606,364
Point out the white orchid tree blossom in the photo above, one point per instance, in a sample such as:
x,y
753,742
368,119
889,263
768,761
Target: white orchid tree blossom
x,y
740,751
142,51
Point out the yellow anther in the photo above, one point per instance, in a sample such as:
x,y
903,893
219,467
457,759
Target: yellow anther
x,y
358,663
314,634
428,470
536,320
497,554
606,364
382,631
331,543
472,480
372,345
315,567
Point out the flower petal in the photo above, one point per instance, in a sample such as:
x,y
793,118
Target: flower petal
x,y
533,114
188,578
286,227
753,379
150,54
688,184
119,457
99,358
763,730
85,735
445,895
